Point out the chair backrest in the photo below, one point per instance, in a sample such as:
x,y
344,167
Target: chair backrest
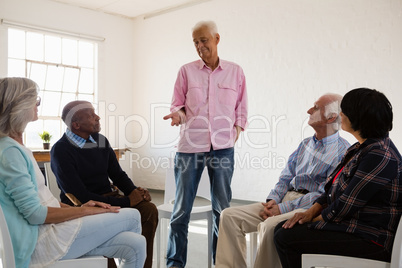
x,y
396,260
51,181
170,186
6,246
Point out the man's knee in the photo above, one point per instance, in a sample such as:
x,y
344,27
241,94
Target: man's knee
x,y
266,228
226,213
149,212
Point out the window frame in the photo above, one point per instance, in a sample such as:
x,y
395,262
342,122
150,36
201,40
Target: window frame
x,y
93,68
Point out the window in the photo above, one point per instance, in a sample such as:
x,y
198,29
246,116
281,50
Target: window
x,y
65,70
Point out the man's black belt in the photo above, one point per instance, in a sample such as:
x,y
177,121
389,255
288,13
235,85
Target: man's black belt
x,y
302,191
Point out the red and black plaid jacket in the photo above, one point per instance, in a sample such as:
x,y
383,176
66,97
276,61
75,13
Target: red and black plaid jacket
x,y
366,197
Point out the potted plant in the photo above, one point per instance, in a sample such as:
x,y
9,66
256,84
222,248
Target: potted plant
x,y
45,136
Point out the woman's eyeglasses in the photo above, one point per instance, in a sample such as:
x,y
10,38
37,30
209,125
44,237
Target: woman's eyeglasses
x,y
38,101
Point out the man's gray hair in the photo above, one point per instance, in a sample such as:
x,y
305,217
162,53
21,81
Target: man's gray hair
x,y
211,25
333,108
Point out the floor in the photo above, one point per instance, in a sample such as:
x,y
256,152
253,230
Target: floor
x,y
197,237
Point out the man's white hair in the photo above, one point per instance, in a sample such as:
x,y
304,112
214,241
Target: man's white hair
x,y
211,25
333,108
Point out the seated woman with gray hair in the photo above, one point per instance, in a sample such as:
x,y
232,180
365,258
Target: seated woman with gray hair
x,y
43,230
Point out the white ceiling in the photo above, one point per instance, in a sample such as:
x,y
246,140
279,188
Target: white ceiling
x,y
132,8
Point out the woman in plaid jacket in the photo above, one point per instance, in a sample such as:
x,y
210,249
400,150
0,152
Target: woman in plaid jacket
x,y
359,212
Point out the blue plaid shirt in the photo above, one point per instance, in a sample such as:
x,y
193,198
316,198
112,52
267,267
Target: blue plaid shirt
x,y
80,142
307,169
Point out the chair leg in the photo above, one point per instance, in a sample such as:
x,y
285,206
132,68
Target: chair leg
x,y
111,263
209,240
253,247
158,244
161,241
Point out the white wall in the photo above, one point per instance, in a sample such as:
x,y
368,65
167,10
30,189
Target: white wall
x,y
292,51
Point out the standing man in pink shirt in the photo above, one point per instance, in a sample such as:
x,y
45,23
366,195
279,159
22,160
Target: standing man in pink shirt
x,y
210,104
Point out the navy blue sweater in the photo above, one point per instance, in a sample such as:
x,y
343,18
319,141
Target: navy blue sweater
x,y
85,172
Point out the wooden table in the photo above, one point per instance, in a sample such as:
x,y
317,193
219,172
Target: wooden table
x,y
44,155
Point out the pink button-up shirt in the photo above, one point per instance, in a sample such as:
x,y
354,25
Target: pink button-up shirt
x,y
214,102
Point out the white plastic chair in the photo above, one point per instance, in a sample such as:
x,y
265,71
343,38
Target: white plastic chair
x,y
197,213
7,253
6,247
322,260
253,247
51,181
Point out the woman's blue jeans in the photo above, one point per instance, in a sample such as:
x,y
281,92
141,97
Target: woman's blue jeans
x,y
188,170
114,235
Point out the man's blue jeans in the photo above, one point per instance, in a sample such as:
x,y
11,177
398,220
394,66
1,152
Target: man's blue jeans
x,y
188,170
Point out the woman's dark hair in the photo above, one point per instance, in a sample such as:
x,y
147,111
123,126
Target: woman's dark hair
x,y
369,112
